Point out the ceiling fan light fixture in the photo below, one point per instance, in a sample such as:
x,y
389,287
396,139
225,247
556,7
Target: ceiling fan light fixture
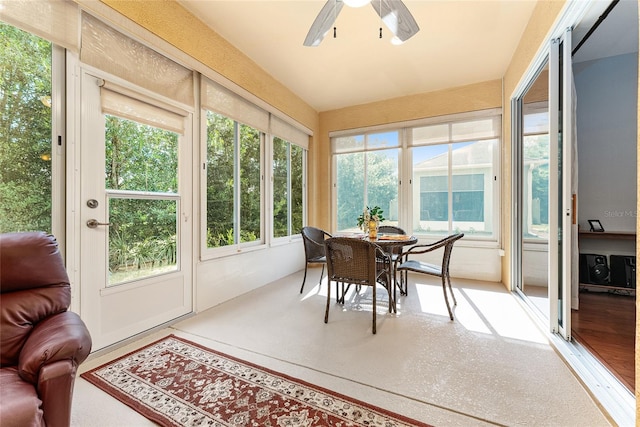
x,y
396,41
356,3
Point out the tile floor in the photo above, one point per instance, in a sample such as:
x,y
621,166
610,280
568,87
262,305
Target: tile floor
x,y
491,366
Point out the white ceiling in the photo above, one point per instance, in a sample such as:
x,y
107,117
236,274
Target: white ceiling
x,y
616,35
460,42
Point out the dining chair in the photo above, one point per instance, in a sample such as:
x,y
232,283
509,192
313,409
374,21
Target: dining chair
x,y
394,252
441,271
357,262
313,239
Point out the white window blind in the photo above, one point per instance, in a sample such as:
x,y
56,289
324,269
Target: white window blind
x,y
457,131
120,104
289,133
113,52
221,100
53,20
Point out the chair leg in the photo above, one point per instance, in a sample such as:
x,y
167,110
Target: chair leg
x,y
395,303
446,297
392,298
451,290
404,282
326,311
373,328
304,279
321,274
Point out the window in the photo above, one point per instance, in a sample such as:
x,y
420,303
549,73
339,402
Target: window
x,y
141,182
453,182
235,199
467,193
234,182
31,165
535,182
450,164
366,175
288,167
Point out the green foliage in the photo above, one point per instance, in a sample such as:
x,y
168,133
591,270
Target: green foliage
x,y
536,149
382,184
370,214
223,137
25,131
287,180
142,233
140,157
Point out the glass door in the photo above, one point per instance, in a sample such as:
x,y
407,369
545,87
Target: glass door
x,y
544,226
135,212
562,219
531,168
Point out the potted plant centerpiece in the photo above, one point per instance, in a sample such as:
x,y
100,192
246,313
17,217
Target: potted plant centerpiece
x,y
369,220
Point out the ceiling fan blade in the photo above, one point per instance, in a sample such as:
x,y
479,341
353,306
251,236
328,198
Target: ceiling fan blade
x,y
323,23
396,17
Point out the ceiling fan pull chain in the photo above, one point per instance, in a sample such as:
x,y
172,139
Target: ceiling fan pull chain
x,y
334,32
380,32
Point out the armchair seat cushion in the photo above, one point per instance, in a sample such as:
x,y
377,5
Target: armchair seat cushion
x,y
421,267
21,406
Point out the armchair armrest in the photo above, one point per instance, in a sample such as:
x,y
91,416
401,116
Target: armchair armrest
x,y
325,235
57,338
424,248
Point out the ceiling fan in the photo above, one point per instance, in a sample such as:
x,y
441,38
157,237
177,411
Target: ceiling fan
x,y
393,13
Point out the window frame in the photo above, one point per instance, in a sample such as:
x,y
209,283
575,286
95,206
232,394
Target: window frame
x,y
366,148
238,247
292,235
405,171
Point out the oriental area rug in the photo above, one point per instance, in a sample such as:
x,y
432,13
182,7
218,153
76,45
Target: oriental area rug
x,y
176,382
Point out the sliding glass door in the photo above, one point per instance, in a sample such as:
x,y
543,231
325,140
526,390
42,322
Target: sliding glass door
x,y
562,215
544,205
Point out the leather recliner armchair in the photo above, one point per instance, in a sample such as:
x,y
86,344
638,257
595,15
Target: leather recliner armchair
x,y
41,342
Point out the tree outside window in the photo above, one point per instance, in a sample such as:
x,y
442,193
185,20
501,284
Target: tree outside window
x,y
25,131
234,182
366,176
287,188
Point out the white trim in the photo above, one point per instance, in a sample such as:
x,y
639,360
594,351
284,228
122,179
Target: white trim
x,y
58,146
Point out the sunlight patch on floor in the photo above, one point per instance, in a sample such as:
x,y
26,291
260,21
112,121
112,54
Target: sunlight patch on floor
x,y
482,311
431,299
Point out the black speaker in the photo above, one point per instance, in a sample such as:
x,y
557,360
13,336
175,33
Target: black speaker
x,y
594,269
623,271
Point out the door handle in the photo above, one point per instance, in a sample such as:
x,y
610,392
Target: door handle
x,y
93,223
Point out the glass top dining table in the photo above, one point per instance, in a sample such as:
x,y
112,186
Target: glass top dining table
x,y
386,241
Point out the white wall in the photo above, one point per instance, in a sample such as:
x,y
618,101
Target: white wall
x,y
607,133
222,279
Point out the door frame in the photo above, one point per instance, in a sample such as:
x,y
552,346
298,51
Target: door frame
x,y
561,230
104,308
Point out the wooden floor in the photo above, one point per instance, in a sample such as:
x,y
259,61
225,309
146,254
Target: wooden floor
x,y
606,325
